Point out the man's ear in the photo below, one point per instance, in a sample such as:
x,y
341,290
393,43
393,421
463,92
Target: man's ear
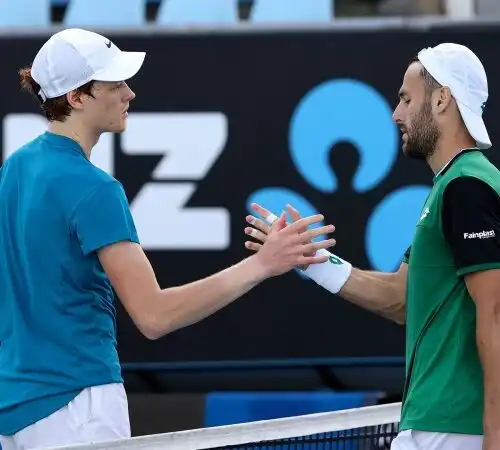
x,y
76,98
443,99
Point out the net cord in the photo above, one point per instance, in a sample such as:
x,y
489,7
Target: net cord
x,y
258,431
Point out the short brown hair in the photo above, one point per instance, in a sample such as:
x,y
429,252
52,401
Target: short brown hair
x,y
55,109
429,81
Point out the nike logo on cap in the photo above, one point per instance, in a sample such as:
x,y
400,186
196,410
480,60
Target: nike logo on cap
x,y
108,44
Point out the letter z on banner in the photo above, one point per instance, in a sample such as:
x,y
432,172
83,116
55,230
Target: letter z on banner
x,y
190,144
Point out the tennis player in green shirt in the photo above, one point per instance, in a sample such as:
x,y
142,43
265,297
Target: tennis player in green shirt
x,y
447,288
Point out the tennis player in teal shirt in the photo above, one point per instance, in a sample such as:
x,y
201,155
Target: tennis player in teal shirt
x,y
67,239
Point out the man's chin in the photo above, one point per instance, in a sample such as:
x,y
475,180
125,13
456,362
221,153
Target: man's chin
x,y
118,127
407,151
411,153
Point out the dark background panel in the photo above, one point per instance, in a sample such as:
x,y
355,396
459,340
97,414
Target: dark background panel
x,y
257,80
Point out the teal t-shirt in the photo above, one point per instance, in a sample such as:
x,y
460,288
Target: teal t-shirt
x,y
57,314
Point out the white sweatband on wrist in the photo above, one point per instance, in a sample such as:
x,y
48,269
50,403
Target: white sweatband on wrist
x,y
332,274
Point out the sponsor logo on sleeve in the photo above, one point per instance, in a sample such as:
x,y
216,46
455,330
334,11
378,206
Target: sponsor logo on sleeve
x,y
480,235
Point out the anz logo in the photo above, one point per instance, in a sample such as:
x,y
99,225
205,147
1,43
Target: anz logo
x,y
347,110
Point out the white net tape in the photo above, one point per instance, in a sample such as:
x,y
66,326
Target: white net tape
x,y
265,430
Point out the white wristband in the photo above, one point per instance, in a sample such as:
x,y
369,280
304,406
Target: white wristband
x,y
331,274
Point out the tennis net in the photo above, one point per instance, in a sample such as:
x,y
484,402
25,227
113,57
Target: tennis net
x,y
367,428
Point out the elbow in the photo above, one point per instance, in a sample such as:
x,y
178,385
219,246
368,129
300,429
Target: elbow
x,y
396,316
151,333
398,313
151,328
400,319
399,308
152,319
163,315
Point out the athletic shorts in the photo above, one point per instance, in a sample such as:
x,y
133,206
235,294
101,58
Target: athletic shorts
x,y
423,440
98,413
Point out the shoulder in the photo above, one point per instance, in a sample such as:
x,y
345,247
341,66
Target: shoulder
x,y
469,186
469,194
101,187
80,182
81,176
97,176
472,176
473,164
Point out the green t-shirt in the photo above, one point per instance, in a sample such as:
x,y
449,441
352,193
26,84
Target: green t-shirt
x,y
458,233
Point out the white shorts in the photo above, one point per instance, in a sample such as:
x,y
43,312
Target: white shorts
x,y
423,440
98,413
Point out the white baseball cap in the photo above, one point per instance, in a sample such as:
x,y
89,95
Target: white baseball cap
x,y
458,68
73,57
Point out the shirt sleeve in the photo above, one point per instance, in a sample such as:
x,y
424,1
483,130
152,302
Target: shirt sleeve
x,y
471,224
103,217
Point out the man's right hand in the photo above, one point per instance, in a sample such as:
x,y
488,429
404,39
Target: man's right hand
x,y
287,246
260,230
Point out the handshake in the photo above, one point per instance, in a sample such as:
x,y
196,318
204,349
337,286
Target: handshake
x,y
280,246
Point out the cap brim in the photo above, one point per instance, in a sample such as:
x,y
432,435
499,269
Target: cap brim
x,y
123,67
475,124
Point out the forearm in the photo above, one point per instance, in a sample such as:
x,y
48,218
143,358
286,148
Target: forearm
x,y
379,292
177,307
382,293
488,344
